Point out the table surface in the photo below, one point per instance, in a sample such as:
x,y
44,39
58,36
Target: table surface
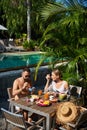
x,y
47,111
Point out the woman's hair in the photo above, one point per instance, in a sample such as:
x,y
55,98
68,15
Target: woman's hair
x,y
57,72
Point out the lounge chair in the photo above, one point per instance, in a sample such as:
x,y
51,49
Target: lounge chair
x,y
15,48
2,48
9,46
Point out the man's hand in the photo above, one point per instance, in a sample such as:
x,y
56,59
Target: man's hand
x,y
25,86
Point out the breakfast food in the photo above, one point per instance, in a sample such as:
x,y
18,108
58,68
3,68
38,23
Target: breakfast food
x,y
41,102
46,102
54,100
35,96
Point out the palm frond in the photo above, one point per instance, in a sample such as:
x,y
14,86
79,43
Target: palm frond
x,y
51,9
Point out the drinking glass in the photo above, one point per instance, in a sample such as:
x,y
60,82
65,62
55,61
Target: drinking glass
x,y
46,96
39,92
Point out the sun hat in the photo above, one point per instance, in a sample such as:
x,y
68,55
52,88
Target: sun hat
x,y
66,112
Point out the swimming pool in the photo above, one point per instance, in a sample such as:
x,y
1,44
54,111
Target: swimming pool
x,y
18,60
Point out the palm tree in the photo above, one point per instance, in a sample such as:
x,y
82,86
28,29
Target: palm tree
x,y
28,21
65,35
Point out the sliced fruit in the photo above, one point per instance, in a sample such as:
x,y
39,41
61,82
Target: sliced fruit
x,y
46,102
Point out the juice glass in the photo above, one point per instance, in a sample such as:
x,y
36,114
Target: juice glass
x,y
46,96
39,92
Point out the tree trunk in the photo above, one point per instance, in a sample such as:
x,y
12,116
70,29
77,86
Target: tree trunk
x,y
28,21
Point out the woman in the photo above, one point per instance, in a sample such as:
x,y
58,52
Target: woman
x,y
57,85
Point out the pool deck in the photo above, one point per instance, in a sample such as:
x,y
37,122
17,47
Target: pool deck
x,y
22,52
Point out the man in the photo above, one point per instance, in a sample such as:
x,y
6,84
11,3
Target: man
x,y
21,87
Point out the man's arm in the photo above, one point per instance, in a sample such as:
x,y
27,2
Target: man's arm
x,y
16,90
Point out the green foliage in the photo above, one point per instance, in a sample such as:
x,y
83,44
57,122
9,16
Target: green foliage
x,y
65,36
29,45
14,14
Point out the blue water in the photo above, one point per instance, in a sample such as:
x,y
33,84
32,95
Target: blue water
x,y
19,60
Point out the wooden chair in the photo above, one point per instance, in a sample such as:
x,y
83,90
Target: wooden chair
x,y
75,94
10,96
18,121
81,122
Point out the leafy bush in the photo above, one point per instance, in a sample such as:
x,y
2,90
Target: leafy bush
x,y
28,45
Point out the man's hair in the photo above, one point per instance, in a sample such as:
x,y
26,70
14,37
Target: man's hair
x,y
26,69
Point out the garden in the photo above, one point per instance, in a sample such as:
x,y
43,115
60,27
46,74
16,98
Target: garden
x,y
58,28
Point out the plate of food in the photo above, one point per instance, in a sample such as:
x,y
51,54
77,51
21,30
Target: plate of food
x,y
35,97
43,103
32,98
54,100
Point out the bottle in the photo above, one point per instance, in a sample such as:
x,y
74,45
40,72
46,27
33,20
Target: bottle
x,y
32,90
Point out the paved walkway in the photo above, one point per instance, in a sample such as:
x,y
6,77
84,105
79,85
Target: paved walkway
x,y
2,124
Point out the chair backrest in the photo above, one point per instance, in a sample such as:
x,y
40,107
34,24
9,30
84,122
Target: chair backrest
x,y
82,120
75,90
14,119
9,90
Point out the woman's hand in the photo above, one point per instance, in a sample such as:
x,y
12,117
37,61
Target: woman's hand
x,y
48,77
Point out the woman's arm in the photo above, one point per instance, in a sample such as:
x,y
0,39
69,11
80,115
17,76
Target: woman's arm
x,y
66,87
47,83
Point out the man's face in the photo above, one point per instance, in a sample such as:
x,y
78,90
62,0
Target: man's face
x,y
26,75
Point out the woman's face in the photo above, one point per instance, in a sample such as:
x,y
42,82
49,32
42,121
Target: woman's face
x,y
54,76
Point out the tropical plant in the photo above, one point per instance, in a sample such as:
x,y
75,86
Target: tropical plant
x,y
29,45
14,14
65,35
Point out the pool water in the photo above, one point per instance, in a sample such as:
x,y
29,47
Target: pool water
x,y
21,59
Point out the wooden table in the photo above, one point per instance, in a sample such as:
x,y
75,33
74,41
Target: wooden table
x,y
47,112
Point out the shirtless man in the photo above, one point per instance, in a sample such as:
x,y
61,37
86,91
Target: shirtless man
x,y
21,87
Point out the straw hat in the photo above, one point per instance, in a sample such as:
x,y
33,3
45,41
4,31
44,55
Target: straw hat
x,y
66,112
